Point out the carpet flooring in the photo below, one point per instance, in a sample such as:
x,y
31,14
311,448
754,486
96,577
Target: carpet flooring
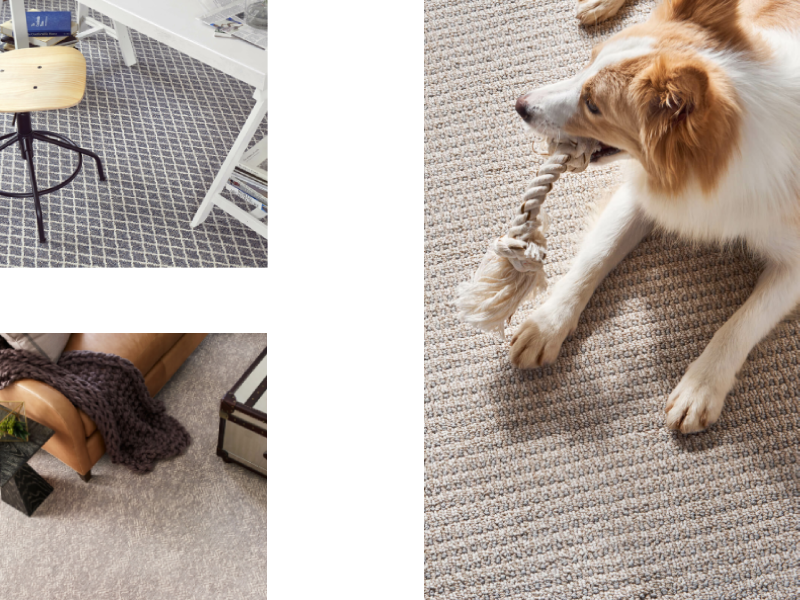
x,y
564,482
163,128
194,528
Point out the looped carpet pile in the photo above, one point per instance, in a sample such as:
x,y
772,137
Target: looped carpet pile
x,y
563,482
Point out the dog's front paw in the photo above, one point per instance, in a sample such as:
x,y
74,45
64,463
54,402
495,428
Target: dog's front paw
x,y
538,340
594,11
695,403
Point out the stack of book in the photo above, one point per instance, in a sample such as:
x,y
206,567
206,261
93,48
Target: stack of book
x,y
44,29
249,179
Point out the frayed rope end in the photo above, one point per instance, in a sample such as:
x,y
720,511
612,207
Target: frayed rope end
x,y
495,292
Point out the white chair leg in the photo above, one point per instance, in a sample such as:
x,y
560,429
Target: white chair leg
x,y
234,156
125,46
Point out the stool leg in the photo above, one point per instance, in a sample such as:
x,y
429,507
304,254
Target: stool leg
x,y
13,140
44,138
26,145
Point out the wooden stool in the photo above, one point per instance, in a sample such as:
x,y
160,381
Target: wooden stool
x,y
33,79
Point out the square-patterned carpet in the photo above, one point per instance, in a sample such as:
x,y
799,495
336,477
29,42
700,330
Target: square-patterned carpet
x,y
163,128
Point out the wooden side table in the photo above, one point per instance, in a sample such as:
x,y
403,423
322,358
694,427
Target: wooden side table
x,y
21,486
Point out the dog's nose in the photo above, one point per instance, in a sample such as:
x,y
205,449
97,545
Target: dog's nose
x,y
522,108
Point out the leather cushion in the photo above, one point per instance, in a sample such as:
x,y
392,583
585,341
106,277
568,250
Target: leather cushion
x,y
89,426
142,349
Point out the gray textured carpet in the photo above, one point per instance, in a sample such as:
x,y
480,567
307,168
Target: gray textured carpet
x,y
194,528
163,128
564,482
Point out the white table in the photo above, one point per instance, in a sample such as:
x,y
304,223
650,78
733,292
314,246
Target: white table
x,y
176,24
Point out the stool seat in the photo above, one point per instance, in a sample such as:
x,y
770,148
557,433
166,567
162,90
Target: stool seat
x,y
33,79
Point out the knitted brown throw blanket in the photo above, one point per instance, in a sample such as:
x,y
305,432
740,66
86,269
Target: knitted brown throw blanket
x,y
135,427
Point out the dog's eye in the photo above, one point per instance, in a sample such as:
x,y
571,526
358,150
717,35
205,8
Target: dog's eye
x,y
592,107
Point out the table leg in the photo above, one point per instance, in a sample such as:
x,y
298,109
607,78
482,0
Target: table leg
x,y
125,46
19,24
81,12
26,490
234,156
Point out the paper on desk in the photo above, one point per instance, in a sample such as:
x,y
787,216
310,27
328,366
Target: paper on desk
x,y
235,11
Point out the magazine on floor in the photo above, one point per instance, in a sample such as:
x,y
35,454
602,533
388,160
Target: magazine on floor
x,y
248,181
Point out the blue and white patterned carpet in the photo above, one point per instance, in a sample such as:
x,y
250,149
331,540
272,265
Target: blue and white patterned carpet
x,y
163,128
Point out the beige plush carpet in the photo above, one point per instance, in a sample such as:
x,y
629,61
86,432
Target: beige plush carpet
x,y
564,482
193,529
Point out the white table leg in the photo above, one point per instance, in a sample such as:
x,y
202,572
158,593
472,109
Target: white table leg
x,y
125,46
19,24
81,12
234,156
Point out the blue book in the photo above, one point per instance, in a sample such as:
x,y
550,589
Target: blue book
x,y
49,24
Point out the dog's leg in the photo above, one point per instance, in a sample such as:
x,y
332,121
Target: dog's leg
x,y
619,229
697,400
594,11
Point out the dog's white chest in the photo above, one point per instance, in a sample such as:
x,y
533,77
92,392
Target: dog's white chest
x,y
701,219
738,210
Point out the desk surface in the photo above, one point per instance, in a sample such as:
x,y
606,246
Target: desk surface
x,y
176,24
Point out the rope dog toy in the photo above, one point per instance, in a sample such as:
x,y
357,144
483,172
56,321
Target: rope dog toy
x,y
513,267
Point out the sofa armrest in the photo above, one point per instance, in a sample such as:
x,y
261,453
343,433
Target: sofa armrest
x,y
50,407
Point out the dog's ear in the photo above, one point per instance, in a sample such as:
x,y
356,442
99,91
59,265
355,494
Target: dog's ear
x,y
688,118
719,17
670,94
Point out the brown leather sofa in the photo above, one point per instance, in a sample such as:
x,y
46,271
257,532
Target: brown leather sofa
x,y
76,441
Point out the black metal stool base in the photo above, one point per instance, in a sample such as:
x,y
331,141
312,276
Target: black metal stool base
x,y
24,137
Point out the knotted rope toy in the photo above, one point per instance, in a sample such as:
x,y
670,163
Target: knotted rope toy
x,y
513,267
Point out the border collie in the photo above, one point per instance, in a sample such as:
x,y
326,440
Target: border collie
x,y
705,99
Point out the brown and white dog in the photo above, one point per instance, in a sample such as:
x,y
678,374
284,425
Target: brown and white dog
x,y
705,97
